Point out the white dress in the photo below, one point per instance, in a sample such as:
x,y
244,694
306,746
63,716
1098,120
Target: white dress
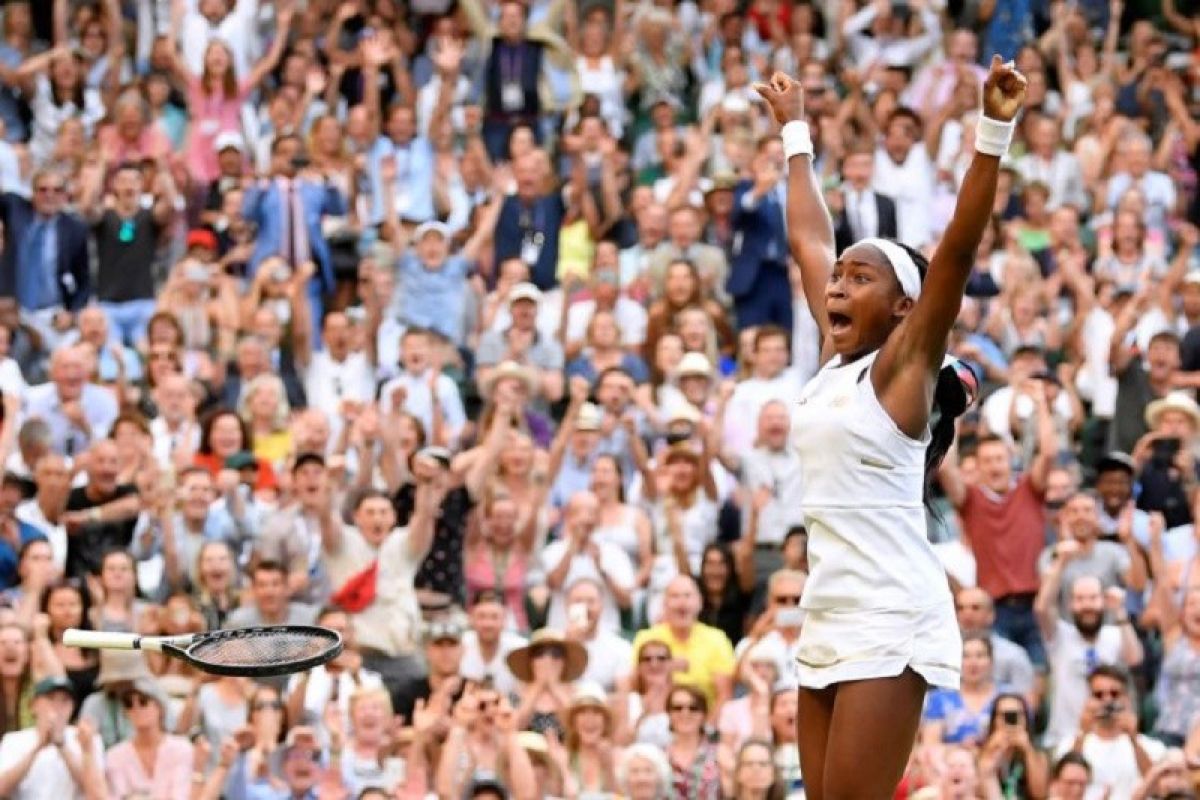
x,y
877,596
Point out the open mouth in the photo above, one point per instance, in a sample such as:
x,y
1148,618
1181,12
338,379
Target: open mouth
x,y
838,323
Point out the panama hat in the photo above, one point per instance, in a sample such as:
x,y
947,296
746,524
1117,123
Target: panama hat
x,y
589,694
1175,401
511,369
520,661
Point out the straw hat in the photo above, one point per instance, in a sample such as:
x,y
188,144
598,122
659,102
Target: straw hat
x,y
510,369
589,694
1175,401
520,661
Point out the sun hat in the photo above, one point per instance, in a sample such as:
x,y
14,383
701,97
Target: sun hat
x,y
520,661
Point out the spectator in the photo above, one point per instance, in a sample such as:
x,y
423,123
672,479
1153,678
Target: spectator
x,y
146,706
488,642
100,515
77,411
608,654
961,717
758,279
52,756
269,603
45,511
694,768
1009,756
1011,667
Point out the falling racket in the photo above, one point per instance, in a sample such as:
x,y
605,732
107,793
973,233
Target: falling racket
x,y
243,652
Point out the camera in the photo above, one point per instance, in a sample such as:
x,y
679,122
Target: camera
x,y
1163,451
1011,718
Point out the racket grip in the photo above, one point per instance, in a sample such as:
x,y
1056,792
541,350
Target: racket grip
x,y
101,640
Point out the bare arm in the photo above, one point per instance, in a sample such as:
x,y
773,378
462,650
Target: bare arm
x,y
1045,605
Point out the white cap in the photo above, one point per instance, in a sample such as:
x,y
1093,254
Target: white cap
x,y
229,139
524,291
694,363
433,226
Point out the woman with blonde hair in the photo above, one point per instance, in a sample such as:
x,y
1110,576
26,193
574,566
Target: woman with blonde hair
x,y
586,757
643,773
264,407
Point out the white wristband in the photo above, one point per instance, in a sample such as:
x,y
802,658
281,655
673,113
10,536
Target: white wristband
x,y
992,137
797,141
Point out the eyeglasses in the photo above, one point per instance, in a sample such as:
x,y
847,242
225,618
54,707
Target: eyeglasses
x,y
267,705
654,659
1115,694
554,651
43,189
757,762
682,707
135,700
786,599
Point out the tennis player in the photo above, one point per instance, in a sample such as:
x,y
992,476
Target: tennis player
x,y
870,428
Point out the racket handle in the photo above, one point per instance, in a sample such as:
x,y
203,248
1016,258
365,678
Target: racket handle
x,y
102,640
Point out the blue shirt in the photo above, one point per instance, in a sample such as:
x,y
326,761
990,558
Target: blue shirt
x,y
8,555
959,724
413,189
99,409
433,298
37,266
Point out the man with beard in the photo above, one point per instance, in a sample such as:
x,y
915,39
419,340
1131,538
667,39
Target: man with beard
x,y
1074,648
1110,563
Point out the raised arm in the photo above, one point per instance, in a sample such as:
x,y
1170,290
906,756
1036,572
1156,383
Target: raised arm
x,y
285,10
809,226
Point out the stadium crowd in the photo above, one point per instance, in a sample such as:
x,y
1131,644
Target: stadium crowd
x,y
469,330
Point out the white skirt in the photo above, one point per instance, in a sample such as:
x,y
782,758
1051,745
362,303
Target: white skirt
x,y
839,646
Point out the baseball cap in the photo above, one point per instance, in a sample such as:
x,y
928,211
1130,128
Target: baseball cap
x,y
524,291
201,237
442,629
433,226
229,140
242,459
1114,461
55,683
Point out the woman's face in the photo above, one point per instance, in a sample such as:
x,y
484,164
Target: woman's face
x,y
863,299
370,715
14,652
589,724
683,475
1009,705
328,135
64,71
162,332
517,458
642,779
266,710
679,285
264,402
693,331
548,663
65,608
226,435
216,60
128,438
713,572
783,716
604,331
977,664
410,434
501,525
756,768
117,574
685,712
595,37
92,40
605,478
142,712
215,567
653,661
667,353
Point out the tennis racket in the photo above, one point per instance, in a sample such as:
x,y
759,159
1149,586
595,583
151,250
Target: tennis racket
x,y
242,652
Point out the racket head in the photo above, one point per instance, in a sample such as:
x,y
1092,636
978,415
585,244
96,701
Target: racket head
x,y
261,651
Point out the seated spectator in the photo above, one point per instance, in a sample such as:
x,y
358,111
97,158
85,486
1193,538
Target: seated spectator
x,y
1168,469
65,604
101,514
1008,753
223,436
1011,667
546,667
169,772
759,672
488,642
603,350
498,561
643,773
960,716
521,343
78,412
51,757
46,510
604,294
23,663
608,654
694,767
268,600
265,410
311,692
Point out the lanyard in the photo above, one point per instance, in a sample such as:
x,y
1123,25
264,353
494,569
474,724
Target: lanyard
x,y
510,68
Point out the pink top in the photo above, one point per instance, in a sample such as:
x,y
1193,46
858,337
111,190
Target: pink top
x,y
151,144
481,571
211,116
172,779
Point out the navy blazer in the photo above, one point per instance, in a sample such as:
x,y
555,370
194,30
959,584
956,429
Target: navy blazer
x,y
263,205
753,233
74,274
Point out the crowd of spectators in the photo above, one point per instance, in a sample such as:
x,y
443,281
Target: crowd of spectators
x,y
469,330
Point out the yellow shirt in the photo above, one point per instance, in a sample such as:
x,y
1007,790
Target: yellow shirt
x,y
274,448
707,650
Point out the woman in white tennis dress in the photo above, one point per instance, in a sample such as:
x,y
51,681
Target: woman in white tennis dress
x,y
870,426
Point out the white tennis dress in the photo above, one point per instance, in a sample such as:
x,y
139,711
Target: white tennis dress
x,y
877,597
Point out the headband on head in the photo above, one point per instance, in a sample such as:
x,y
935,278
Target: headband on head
x,y
901,263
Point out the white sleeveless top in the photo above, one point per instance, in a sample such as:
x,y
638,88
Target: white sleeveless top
x,y
862,498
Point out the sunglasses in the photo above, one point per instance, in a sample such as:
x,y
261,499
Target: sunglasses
x,y
654,659
786,599
267,705
682,707
1115,694
135,700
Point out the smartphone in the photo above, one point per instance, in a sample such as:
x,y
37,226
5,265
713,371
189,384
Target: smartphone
x,y
1163,451
281,273
577,615
789,617
1011,718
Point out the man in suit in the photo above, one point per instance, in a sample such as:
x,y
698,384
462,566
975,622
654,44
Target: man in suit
x,y
287,208
44,263
758,281
530,221
865,212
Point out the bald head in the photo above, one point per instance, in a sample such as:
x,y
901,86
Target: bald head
x,y
974,609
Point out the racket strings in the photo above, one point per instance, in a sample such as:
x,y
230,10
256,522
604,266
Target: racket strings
x,y
261,649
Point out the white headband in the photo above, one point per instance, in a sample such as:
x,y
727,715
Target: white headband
x,y
901,263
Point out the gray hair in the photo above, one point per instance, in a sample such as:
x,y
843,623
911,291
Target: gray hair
x,y
646,752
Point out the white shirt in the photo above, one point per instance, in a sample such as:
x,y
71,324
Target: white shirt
x,y
629,315
749,397
609,658
1114,763
910,184
474,668
862,212
236,30
1071,659
418,401
328,382
319,691
48,776
165,442
1061,173
996,410
390,624
780,471
29,512
616,565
